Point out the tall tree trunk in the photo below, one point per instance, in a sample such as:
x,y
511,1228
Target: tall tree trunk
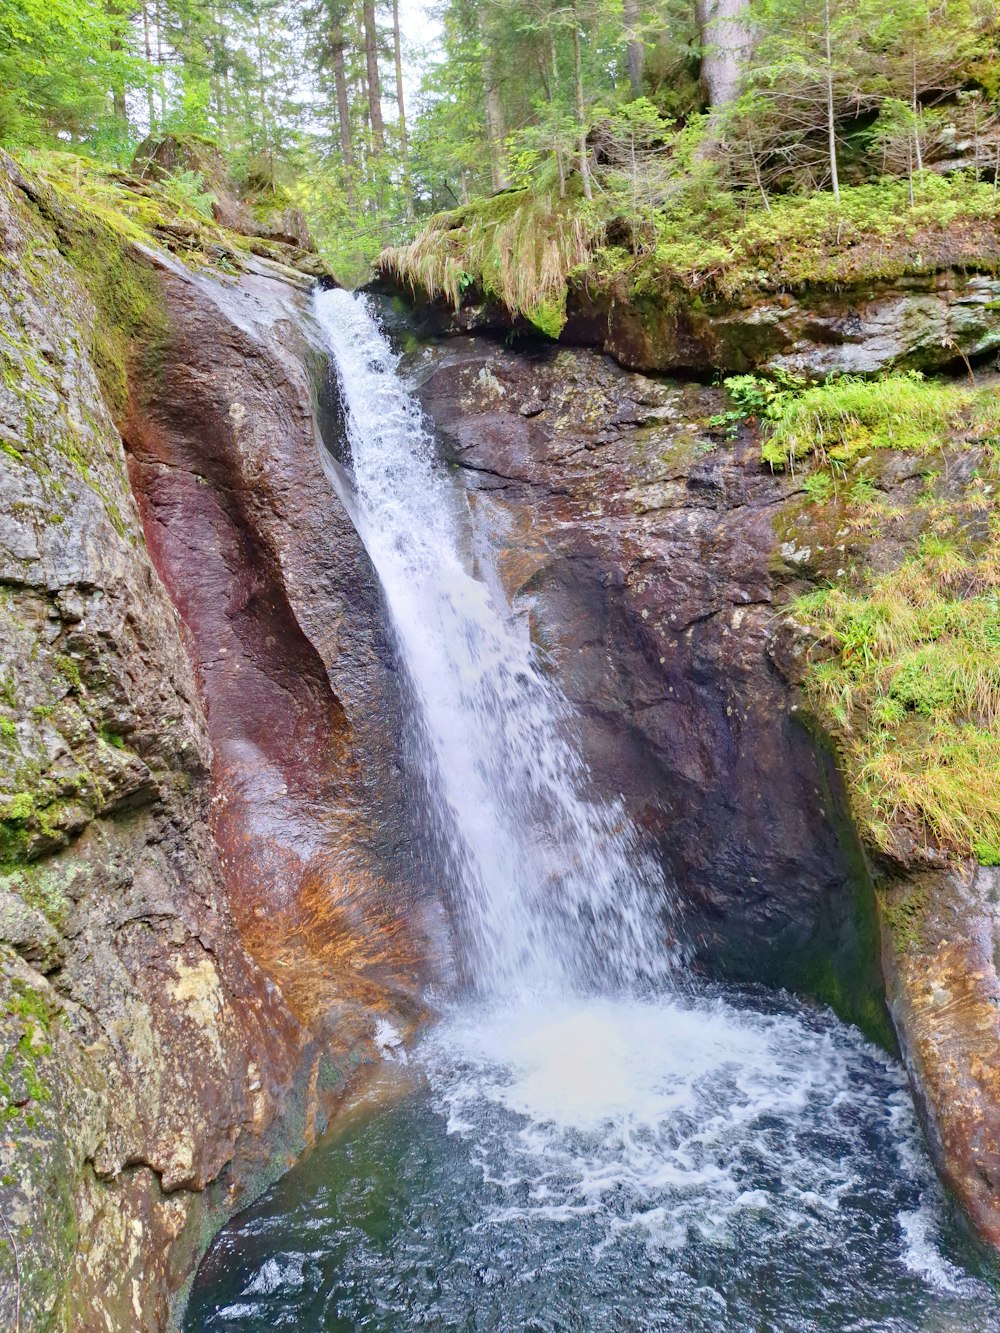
x,y
916,116
495,131
636,49
262,103
343,115
150,99
159,56
404,147
116,45
374,87
726,43
831,127
581,108
553,99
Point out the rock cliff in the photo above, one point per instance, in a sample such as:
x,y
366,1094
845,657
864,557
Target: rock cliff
x,y
209,888
205,891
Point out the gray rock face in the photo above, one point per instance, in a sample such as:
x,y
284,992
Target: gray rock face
x,y
917,322
193,912
921,322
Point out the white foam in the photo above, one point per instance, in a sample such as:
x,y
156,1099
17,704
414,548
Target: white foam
x,y
616,1104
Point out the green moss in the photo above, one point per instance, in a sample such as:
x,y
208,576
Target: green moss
x,y
904,913
836,422
126,294
30,1011
45,886
703,245
18,808
69,669
8,732
517,248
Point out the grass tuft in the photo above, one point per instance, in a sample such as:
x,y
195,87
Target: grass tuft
x,y
518,248
912,693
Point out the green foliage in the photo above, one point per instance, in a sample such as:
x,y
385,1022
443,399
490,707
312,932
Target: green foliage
x,y
913,694
60,61
188,191
518,247
845,417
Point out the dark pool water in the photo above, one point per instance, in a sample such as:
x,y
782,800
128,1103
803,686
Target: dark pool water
x,y
726,1162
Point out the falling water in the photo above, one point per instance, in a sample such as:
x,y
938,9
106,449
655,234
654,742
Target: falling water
x,y
597,1146
553,888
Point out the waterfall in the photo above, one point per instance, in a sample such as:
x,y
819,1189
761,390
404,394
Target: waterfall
x,y
551,886
591,1144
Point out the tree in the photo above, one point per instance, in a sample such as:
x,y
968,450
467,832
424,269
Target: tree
x,y
374,86
726,43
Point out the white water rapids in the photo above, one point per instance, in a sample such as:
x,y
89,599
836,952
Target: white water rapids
x,y
589,1082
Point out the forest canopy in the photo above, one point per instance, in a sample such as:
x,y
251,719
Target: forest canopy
x,y
623,107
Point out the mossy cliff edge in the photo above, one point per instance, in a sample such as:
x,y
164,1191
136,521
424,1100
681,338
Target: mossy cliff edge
x,y
711,283
171,1031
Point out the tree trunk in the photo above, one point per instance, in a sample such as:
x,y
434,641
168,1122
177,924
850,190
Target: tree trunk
x,y
159,56
636,49
495,132
916,117
553,99
831,128
725,45
150,99
262,103
116,46
374,87
343,108
581,109
404,148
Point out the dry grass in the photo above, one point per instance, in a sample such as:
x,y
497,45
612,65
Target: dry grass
x,y
517,248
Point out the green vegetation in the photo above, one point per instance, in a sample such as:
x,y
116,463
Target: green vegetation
x,y
21,1082
911,691
836,422
795,145
525,247
517,248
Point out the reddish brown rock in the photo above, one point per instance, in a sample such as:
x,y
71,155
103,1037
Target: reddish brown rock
x,y
940,955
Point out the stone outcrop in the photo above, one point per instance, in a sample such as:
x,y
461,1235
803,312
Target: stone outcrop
x,y
652,556
204,902
920,322
943,987
643,552
924,321
260,210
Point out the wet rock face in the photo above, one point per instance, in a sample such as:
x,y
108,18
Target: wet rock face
x,y
285,622
641,549
204,897
650,559
943,986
